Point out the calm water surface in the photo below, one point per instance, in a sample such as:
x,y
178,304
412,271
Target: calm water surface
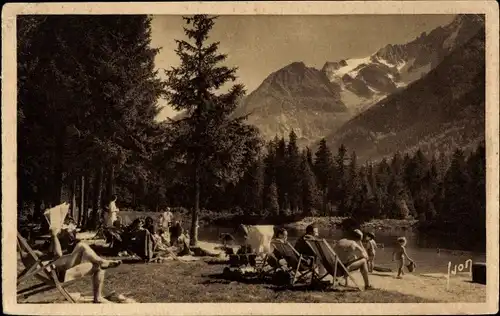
x,y
421,248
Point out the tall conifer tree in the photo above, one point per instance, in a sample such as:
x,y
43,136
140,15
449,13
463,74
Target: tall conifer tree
x,y
215,146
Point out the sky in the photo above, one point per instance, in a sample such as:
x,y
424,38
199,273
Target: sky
x,y
261,44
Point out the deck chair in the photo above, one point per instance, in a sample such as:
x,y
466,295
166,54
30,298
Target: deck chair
x,y
330,261
299,268
42,270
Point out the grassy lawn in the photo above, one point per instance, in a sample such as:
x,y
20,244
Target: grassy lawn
x,y
177,282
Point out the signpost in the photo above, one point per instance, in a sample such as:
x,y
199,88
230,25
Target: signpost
x,y
460,267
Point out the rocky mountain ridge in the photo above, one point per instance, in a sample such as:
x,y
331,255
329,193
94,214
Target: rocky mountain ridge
x,y
442,111
315,103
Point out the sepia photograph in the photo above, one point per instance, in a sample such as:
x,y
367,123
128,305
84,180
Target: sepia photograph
x,y
213,156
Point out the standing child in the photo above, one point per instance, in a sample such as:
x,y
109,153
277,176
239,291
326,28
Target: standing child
x,y
399,255
371,245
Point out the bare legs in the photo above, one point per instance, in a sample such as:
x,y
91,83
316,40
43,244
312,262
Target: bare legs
x,y
97,285
82,261
362,265
400,268
371,263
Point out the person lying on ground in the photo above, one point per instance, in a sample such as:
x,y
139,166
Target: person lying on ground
x,y
354,256
81,261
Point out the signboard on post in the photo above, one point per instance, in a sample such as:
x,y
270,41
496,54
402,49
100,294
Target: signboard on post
x,y
458,268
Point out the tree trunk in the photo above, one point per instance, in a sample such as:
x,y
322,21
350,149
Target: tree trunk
x,y
86,200
82,200
57,184
96,204
194,216
110,184
73,199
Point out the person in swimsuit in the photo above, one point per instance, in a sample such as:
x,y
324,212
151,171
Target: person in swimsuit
x,y
371,245
82,260
353,255
399,255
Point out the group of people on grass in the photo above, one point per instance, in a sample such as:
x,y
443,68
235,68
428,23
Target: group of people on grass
x,y
73,258
145,236
357,251
142,237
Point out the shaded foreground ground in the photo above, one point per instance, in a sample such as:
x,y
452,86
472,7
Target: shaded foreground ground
x,y
174,281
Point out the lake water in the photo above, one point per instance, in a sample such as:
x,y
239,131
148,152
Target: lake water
x,y
421,248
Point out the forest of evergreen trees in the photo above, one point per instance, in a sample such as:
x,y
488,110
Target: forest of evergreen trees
x,y
87,101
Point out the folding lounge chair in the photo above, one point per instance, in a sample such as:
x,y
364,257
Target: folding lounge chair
x,y
300,268
43,271
330,261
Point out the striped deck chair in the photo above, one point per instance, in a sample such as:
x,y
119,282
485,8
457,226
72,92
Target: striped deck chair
x,y
330,261
42,270
300,268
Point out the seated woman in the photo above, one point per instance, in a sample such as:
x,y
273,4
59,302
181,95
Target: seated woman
x,y
175,232
82,260
354,256
149,224
276,260
182,243
156,235
113,234
136,239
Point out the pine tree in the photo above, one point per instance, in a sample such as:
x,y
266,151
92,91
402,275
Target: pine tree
x,y
476,217
353,192
455,190
367,208
308,185
270,162
309,157
271,199
397,198
98,106
294,173
215,146
323,168
254,187
383,178
282,182
415,173
340,175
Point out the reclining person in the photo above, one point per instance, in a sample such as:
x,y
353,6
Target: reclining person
x,y
276,259
303,248
353,255
82,260
301,245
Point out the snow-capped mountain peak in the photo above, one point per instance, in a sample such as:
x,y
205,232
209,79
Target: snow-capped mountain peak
x,y
364,80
